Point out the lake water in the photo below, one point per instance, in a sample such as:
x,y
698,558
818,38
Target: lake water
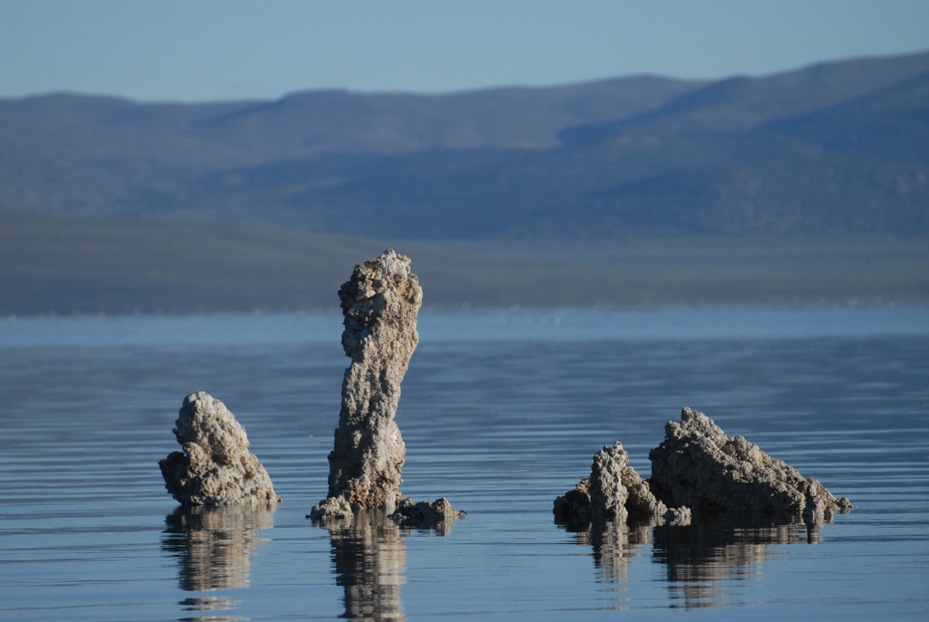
x,y
501,412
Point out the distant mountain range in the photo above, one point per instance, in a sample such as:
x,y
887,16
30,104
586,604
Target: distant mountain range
x,y
837,149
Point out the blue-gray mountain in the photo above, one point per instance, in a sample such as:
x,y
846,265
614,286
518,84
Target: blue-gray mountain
x,y
834,149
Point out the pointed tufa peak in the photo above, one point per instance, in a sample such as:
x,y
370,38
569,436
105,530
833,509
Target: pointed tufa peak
x,y
614,491
216,468
715,474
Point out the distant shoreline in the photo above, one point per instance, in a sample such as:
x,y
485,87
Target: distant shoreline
x,y
564,324
64,265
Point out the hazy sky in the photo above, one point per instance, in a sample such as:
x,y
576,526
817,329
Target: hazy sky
x,y
221,49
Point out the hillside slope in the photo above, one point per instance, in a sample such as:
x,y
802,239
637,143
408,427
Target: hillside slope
x,y
837,149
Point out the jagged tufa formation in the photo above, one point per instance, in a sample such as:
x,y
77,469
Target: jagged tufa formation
x,y
699,466
216,467
614,491
380,304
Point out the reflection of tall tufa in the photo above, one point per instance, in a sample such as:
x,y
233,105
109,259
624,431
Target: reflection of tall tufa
x,y
698,465
370,562
380,304
216,467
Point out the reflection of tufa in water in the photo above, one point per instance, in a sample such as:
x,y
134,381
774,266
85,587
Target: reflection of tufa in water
x,y
370,559
614,543
214,544
703,559
216,467
380,304
211,604
699,466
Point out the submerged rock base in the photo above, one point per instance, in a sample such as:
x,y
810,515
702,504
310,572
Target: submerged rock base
x,y
425,514
216,468
614,491
699,466
380,304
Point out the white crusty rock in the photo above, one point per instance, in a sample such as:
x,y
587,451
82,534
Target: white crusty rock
x,y
614,491
697,465
380,304
216,467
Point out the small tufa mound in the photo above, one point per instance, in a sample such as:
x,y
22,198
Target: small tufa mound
x,y
699,466
425,514
216,467
614,491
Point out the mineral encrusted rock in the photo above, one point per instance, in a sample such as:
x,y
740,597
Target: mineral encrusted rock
x,y
425,513
216,468
697,465
380,304
614,491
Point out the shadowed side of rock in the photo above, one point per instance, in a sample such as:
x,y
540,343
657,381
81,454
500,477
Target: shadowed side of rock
x,y
699,466
614,491
216,468
438,515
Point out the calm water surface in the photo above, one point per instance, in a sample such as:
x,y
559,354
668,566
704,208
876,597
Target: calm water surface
x,y
501,412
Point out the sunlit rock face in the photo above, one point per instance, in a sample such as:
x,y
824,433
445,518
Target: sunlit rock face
x,y
216,468
380,304
697,465
614,491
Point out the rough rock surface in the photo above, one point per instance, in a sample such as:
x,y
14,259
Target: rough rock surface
x,y
216,467
697,465
380,304
425,514
614,491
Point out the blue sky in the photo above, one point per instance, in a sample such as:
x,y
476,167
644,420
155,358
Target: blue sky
x,y
169,50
